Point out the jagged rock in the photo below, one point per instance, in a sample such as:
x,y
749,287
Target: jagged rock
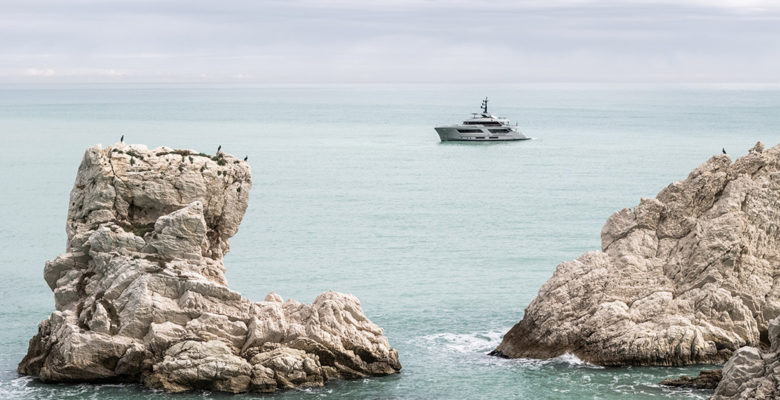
x,y
707,379
751,374
686,278
141,295
208,365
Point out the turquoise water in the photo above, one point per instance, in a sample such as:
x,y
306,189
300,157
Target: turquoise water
x,y
444,244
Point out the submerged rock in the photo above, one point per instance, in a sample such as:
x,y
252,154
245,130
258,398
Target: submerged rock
x,y
685,278
141,294
751,374
707,379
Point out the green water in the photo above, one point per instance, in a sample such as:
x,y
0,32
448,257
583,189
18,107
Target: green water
x,y
444,244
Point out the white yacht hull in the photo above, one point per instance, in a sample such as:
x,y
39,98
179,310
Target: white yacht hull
x,y
475,134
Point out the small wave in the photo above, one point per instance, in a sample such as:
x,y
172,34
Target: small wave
x,y
26,387
571,359
566,359
17,388
465,343
483,342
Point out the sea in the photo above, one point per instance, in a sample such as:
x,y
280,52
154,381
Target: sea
x,y
444,244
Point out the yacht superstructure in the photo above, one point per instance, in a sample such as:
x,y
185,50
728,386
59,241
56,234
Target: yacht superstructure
x,y
482,127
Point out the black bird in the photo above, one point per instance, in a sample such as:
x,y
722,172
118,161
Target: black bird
x,y
246,158
724,151
122,139
219,148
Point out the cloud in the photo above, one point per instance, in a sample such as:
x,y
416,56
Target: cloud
x,y
295,41
43,72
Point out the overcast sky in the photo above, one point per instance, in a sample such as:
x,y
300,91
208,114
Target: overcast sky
x,y
387,41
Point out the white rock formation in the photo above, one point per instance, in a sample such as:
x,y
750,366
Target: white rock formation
x,y
751,374
141,295
686,278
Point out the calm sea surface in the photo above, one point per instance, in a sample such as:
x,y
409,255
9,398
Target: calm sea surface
x,y
444,244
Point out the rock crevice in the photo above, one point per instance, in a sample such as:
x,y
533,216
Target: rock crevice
x,y
141,295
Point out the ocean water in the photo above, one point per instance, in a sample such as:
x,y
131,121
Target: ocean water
x,y
444,243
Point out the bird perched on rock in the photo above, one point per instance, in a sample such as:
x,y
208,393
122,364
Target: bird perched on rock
x,y
219,148
724,150
246,158
122,139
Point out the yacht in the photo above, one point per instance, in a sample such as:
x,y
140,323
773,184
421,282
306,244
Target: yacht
x,y
482,127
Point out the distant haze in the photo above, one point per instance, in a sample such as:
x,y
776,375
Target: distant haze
x,y
389,41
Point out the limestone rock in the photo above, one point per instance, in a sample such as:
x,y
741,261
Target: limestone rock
x,y
141,295
685,278
707,379
751,374
201,365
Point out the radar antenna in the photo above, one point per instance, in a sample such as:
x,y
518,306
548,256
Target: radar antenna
x,y
484,105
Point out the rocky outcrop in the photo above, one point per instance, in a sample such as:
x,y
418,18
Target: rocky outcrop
x,y
707,379
685,278
141,295
751,374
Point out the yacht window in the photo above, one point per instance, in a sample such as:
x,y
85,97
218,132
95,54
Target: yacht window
x,y
500,130
485,123
470,130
